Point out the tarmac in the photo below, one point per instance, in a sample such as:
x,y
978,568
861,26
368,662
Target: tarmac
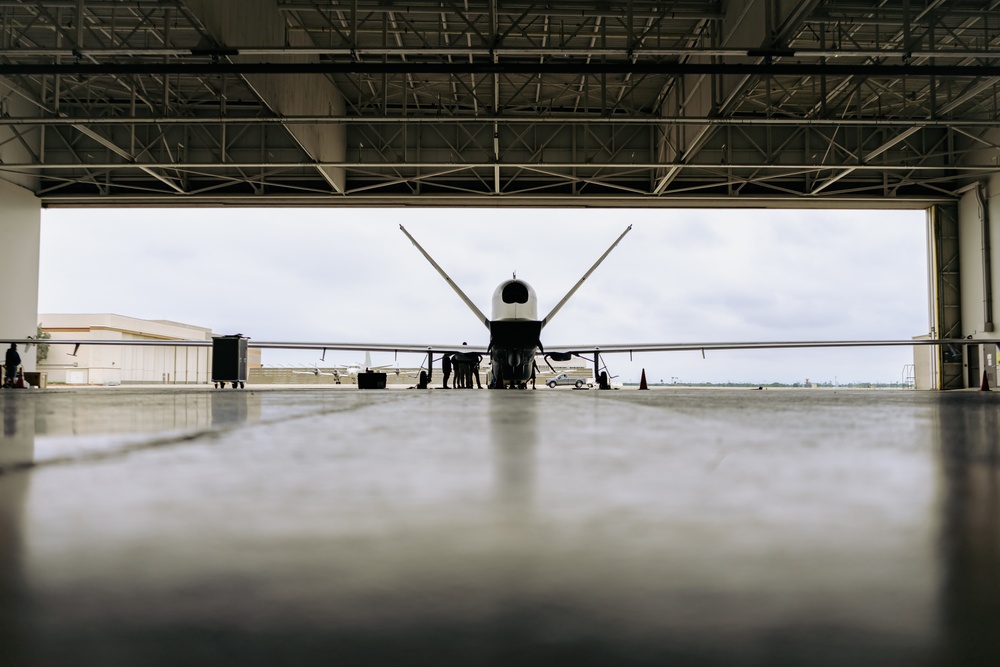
x,y
282,526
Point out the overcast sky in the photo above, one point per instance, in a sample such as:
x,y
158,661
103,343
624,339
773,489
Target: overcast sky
x,y
349,275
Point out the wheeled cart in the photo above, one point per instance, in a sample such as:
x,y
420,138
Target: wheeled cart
x,y
229,361
371,380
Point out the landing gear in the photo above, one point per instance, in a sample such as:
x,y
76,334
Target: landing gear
x,y
222,385
498,380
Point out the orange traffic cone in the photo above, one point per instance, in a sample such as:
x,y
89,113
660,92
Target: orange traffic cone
x,y
985,386
642,380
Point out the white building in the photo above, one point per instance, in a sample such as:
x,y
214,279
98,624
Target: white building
x,y
118,364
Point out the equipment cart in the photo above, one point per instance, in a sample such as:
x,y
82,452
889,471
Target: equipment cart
x,y
229,360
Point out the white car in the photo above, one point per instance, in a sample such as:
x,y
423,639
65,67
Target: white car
x,y
564,378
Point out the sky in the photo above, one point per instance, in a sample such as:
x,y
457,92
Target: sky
x,y
350,275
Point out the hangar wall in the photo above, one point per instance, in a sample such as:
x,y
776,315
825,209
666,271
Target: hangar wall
x,y
20,239
978,247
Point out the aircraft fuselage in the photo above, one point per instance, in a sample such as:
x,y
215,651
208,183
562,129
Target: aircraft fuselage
x,y
515,332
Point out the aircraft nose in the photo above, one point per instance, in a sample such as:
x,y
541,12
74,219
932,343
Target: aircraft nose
x,y
514,292
514,358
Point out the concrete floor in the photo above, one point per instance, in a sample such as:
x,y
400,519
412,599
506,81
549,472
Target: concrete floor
x,y
332,526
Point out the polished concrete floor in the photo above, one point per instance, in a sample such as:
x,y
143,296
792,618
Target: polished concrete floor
x,y
668,527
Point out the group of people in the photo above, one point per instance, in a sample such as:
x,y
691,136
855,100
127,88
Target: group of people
x,y
466,368
13,375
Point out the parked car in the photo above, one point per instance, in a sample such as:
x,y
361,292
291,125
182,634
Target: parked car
x,y
564,378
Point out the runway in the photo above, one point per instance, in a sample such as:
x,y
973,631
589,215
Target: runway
x,y
146,526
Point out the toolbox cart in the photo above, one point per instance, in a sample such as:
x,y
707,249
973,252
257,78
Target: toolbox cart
x,y
229,361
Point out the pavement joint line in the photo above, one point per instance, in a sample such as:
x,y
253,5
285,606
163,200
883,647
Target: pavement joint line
x,y
105,455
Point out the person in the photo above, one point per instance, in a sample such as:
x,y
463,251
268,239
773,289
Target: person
x,y
476,360
12,361
463,370
534,369
468,371
446,368
459,364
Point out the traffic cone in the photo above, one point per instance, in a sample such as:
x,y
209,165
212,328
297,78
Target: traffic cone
x,y
985,386
642,380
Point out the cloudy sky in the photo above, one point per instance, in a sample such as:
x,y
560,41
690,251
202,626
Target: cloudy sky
x,y
349,275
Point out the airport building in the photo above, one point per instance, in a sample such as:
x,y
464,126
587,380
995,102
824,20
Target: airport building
x,y
123,364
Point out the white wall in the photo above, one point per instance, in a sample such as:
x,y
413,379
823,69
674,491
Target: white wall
x,y
20,238
970,237
106,364
975,208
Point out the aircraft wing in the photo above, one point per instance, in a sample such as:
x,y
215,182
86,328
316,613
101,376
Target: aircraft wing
x,y
613,348
313,371
756,345
409,348
549,350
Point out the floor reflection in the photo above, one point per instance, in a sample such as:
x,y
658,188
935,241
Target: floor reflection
x,y
234,407
16,448
44,428
19,416
514,439
969,428
122,412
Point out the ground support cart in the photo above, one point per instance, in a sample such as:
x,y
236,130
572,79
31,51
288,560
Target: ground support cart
x,y
229,361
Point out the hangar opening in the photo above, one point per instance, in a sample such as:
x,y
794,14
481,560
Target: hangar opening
x,y
682,276
624,104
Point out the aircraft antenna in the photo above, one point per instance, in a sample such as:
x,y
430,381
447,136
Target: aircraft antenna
x,y
585,276
447,278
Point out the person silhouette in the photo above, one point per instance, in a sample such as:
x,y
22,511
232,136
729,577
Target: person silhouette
x,y
11,362
446,368
477,359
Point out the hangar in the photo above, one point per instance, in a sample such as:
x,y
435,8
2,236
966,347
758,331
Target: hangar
x,y
628,103
123,364
198,526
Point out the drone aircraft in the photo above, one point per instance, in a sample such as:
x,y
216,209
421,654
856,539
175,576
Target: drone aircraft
x,y
349,371
514,328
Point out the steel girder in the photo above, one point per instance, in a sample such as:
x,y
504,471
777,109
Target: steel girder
x,y
627,103
946,296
